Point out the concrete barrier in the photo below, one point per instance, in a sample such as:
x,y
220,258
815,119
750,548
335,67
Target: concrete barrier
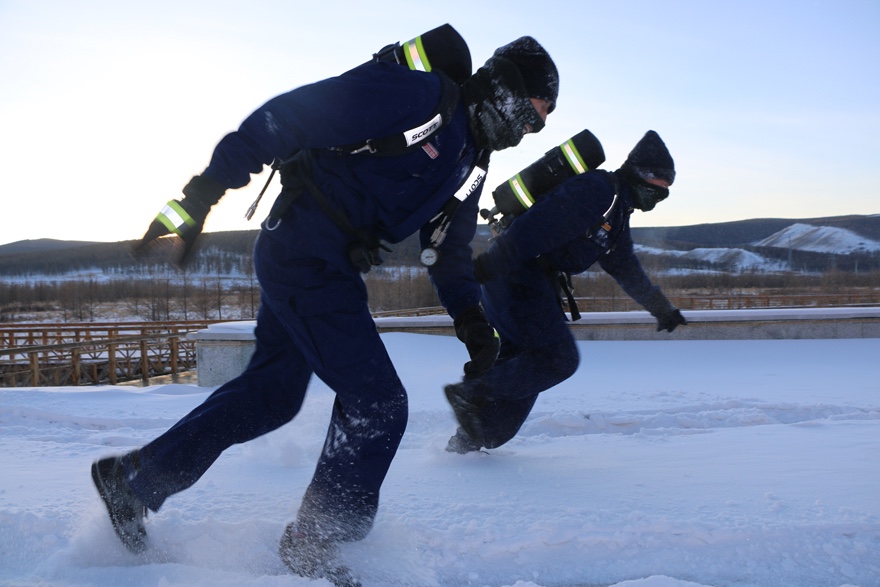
x,y
223,350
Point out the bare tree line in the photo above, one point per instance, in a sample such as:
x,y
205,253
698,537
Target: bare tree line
x,y
163,297
155,299
168,296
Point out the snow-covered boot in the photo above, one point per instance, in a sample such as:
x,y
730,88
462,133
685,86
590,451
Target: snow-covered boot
x,y
126,510
467,406
313,558
461,443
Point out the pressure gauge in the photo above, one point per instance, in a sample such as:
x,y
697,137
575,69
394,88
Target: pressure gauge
x,y
428,257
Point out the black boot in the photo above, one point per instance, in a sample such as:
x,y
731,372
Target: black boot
x,y
467,404
313,558
126,510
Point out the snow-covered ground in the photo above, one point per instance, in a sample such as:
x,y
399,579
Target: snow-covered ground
x,y
659,464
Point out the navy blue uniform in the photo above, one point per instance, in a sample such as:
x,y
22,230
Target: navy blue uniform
x,y
314,317
562,232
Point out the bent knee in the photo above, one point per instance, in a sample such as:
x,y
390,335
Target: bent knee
x,y
564,360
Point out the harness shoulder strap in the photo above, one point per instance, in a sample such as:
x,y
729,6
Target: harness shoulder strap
x,y
413,138
603,223
393,145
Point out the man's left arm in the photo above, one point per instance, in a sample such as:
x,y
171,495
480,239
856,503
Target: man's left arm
x,y
458,290
624,266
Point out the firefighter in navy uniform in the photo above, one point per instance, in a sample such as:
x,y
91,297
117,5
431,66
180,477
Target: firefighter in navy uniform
x,y
344,191
583,220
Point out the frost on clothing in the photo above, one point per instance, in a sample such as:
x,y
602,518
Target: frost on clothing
x,y
499,106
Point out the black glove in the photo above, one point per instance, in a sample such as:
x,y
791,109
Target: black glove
x,y
473,329
670,320
492,263
668,316
184,217
481,268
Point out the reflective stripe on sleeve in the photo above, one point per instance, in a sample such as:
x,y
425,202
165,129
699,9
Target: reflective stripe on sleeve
x,y
174,217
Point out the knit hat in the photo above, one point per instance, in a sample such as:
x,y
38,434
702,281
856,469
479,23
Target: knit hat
x,y
650,159
537,68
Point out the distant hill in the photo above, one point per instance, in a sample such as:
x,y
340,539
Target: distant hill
x,y
216,253
768,244
747,232
41,245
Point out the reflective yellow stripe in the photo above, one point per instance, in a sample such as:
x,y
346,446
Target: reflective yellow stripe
x,y
573,157
521,192
174,217
415,55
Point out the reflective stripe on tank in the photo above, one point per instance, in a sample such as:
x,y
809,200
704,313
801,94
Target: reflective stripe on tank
x,y
573,157
521,191
415,55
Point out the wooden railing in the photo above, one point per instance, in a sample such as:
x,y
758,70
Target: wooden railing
x,y
33,355
31,334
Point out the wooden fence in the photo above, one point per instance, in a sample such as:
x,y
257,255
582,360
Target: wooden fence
x,y
87,354
32,334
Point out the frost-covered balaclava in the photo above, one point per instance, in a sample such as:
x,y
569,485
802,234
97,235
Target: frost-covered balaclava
x,y
649,159
497,95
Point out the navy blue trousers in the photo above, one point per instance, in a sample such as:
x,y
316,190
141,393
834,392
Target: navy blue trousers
x,y
537,349
313,318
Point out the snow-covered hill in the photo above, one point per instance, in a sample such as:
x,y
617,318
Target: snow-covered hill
x,y
796,237
820,239
730,259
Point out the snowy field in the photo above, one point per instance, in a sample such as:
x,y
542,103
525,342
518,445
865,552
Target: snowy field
x,y
659,464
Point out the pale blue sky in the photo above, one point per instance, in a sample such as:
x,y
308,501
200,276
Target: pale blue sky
x,y
770,108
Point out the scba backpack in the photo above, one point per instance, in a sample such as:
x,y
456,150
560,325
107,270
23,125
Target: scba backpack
x,y
581,153
442,51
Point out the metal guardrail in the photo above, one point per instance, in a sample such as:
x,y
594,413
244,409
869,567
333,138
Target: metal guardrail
x,y
736,302
431,311
624,303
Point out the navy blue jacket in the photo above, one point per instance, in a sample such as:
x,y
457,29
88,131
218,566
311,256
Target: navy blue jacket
x,y
564,230
391,197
